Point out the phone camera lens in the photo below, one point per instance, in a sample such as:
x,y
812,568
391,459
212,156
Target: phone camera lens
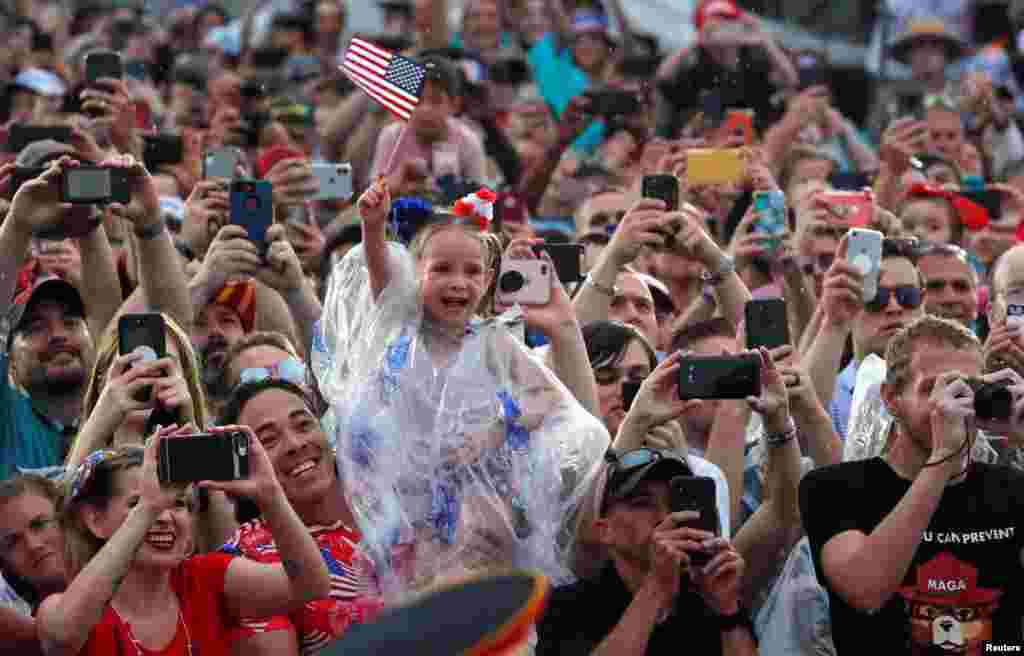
x,y
511,281
252,203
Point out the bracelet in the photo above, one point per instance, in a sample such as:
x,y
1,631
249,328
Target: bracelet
x,y
610,292
733,620
725,267
778,439
149,232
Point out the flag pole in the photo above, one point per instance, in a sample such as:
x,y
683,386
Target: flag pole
x,y
394,149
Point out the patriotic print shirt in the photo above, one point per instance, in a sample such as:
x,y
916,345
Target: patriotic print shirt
x,y
354,599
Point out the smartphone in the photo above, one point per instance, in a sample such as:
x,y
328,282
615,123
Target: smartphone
x,y
739,120
20,136
221,163
662,187
103,63
771,216
85,185
160,149
567,259
712,106
252,207
203,457
630,389
864,251
1015,309
527,282
335,181
720,376
990,199
23,174
612,102
766,323
853,208
269,57
713,166
696,493
136,69
146,333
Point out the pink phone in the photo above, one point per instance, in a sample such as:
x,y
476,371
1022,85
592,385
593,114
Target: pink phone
x,y
526,282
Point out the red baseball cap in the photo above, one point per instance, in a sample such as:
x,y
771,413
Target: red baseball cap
x,y
711,9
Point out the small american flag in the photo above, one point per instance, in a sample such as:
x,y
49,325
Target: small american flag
x,y
390,79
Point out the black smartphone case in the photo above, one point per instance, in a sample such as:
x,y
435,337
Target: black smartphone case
x,y
566,257
204,457
145,329
766,323
720,377
662,187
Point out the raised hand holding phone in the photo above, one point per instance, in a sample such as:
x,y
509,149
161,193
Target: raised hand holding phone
x,y
773,402
231,255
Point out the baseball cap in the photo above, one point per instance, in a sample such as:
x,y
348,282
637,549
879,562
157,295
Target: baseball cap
x,y
715,9
628,470
43,288
40,81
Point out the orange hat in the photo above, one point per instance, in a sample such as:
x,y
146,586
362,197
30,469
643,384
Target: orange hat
x,y
239,295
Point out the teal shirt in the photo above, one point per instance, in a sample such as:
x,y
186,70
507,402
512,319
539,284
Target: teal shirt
x,y
27,439
559,81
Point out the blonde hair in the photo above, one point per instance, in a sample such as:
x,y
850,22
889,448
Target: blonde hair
x,y
80,543
491,246
109,351
928,329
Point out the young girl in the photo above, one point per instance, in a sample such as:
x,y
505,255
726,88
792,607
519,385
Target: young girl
x,y
134,586
459,449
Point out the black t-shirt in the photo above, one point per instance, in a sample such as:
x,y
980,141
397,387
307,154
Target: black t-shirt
x,y
581,615
749,86
964,586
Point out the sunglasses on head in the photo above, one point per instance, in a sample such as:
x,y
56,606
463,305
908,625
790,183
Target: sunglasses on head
x,y
908,297
289,369
621,466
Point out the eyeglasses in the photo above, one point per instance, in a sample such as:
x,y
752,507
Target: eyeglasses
x,y
908,297
289,369
35,526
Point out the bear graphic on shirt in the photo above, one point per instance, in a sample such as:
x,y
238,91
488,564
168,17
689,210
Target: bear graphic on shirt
x,y
949,613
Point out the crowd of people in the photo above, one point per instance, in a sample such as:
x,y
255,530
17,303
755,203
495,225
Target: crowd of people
x,y
409,417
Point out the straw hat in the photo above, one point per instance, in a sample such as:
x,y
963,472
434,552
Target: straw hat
x,y
923,30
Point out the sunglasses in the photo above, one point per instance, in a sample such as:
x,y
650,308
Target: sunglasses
x,y
908,297
621,466
289,369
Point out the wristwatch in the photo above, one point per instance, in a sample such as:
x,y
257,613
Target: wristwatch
x,y
726,266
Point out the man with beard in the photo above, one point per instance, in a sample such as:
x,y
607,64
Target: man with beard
x,y
227,318
924,556
898,302
433,135
49,355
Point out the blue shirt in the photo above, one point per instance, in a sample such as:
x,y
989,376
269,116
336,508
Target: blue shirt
x,y
842,398
27,439
559,81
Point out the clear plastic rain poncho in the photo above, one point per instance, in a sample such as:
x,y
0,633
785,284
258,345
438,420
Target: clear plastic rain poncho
x,y
451,465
